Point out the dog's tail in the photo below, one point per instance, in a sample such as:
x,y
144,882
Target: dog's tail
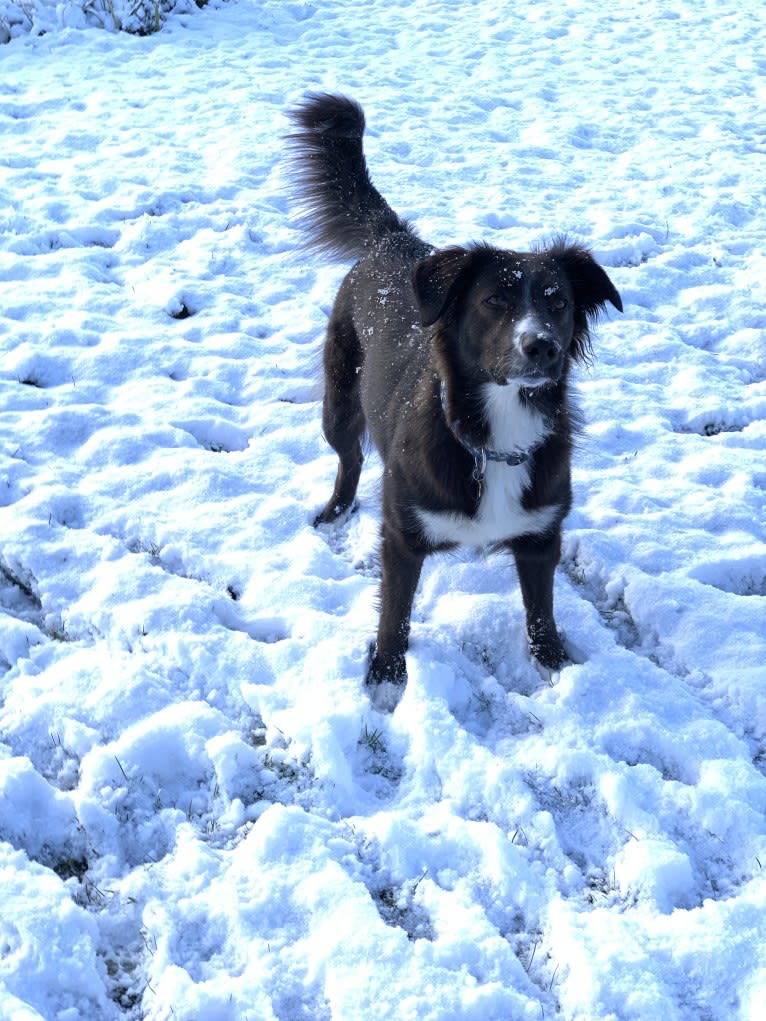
x,y
345,214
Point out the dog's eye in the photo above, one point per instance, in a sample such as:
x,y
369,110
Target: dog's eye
x,y
497,301
559,304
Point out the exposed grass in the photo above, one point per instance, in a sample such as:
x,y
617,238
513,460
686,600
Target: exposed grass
x,y
137,17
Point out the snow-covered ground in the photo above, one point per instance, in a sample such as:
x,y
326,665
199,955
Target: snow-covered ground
x,y
201,816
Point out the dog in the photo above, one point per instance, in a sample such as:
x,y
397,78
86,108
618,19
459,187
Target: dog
x,y
456,363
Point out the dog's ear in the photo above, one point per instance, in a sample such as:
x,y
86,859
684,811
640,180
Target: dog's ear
x,y
592,287
435,278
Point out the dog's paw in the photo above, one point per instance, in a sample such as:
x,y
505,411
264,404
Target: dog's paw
x,y
334,514
555,658
549,675
385,695
385,683
545,645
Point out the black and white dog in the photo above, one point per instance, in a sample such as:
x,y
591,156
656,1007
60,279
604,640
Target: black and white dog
x,y
456,362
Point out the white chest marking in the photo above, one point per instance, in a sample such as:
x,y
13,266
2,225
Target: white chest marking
x,y
500,515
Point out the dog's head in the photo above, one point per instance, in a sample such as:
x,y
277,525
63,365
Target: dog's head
x,y
505,316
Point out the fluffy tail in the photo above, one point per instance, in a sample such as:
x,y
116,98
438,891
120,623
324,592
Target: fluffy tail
x,y
345,214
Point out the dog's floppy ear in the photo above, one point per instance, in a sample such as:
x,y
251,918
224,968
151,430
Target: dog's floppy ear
x,y
434,279
592,287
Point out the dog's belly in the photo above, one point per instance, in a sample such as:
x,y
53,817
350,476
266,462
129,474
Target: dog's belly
x,y
500,514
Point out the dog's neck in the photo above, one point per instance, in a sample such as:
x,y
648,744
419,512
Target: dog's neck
x,y
482,454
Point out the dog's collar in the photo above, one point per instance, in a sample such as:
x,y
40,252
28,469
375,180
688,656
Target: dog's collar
x,y
481,454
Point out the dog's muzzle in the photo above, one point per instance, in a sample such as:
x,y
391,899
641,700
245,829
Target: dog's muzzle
x,y
542,355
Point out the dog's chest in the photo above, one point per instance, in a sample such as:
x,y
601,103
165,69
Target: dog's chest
x,y
500,514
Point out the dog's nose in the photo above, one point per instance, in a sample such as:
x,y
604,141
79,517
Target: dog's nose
x,y
541,351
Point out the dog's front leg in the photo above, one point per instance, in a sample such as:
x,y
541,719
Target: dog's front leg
x,y
401,568
536,559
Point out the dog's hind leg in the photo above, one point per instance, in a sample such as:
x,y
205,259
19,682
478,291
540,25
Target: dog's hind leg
x,y
342,416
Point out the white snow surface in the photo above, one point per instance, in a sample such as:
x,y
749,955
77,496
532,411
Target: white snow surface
x,y
202,818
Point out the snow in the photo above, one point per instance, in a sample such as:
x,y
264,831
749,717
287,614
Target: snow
x,y
202,818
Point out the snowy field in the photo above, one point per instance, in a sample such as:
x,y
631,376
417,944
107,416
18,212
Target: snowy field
x,y
201,816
